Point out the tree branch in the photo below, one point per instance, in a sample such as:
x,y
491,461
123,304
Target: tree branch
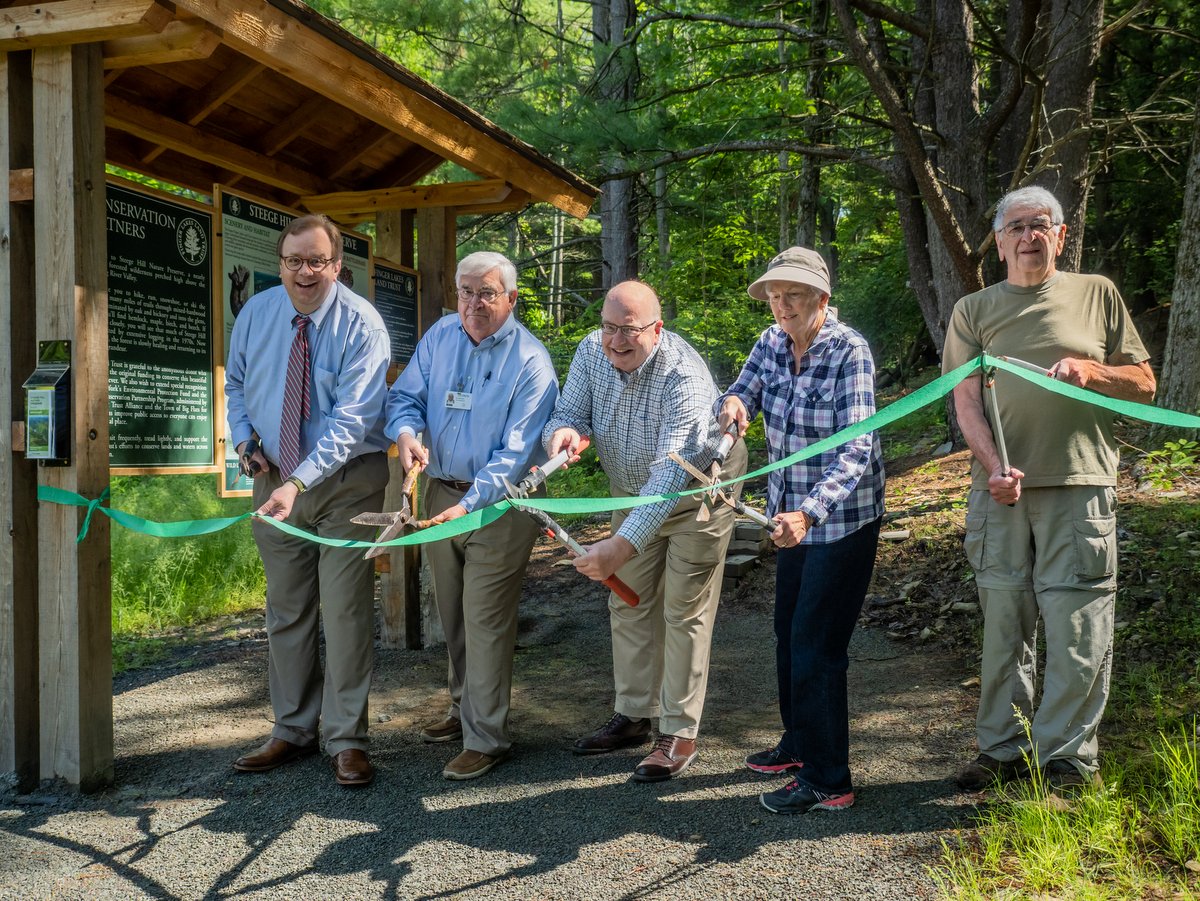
x,y
908,139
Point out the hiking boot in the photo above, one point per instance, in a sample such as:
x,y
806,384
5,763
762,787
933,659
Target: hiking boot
x,y
800,797
985,771
1064,778
619,732
773,762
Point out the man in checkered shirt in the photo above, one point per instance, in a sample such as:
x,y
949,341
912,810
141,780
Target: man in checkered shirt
x,y
641,392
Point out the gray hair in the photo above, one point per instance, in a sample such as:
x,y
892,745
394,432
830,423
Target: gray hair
x,y
1031,197
482,262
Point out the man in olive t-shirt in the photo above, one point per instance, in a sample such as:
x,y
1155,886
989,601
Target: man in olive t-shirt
x,y
1042,536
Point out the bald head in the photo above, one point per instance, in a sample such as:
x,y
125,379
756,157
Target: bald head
x,y
633,306
635,296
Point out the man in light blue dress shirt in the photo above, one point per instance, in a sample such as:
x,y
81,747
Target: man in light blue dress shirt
x,y
471,405
341,470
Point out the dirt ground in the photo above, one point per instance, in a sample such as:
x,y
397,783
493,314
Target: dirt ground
x,y
179,823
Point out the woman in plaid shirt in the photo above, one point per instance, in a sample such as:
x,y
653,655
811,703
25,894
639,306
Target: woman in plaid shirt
x,y
812,376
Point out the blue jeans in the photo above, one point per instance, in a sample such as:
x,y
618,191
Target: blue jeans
x,y
819,591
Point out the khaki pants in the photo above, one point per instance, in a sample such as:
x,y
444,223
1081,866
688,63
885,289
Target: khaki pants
x,y
477,585
1053,556
661,647
307,582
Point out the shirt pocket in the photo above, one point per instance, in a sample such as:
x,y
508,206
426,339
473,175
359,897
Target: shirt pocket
x,y
813,408
324,384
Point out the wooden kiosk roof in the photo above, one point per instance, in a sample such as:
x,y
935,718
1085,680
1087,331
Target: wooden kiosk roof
x,y
274,98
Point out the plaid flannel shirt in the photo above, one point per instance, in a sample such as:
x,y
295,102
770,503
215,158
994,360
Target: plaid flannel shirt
x,y
634,419
841,490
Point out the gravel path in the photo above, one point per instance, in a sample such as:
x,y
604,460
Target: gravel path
x,y
547,825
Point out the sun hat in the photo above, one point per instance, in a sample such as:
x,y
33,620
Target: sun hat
x,y
796,264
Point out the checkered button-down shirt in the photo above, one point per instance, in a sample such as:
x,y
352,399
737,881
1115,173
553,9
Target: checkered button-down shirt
x,y
635,419
841,490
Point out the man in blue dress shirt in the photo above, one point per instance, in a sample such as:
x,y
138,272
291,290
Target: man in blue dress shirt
x,y
305,388
478,390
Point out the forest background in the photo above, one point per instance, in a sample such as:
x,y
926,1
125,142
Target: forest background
x,y
723,130
881,134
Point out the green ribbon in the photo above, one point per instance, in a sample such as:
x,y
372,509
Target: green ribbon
x,y
1144,412
906,405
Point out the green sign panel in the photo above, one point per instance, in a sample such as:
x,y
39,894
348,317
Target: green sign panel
x,y
160,328
396,301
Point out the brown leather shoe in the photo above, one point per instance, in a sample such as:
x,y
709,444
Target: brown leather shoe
x,y
448,729
619,732
473,764
276,752
670,757
351,767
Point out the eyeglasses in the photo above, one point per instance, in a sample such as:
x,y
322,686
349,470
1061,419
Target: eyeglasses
x,y
316,264
486,295
1041,227
800,296
629,331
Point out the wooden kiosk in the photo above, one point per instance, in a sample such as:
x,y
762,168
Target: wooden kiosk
x,y
264,95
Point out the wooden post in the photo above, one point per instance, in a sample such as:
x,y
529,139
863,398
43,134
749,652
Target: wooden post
x,y
71,297
400,581
19,746
437,256
437,232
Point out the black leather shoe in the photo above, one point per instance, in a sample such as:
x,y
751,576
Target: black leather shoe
x,y
276,752
619,732
670,757
351,767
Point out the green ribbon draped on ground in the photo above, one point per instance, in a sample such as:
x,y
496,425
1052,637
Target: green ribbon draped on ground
x,y
923,396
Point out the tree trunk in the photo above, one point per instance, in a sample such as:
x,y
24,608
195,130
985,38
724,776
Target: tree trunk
x,y
616,85
1070,89
816,131
1180,386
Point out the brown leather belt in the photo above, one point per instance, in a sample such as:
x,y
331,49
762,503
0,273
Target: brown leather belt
x,y
456,486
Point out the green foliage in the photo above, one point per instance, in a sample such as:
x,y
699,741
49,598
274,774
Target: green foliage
x,y
1174,460
704,294
872,294
159,583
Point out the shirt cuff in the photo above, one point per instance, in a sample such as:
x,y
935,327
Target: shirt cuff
x,y
816,512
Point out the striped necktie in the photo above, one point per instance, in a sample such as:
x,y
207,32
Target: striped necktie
x,y
295,399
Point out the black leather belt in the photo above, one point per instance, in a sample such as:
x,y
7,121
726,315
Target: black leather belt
x,y
456,486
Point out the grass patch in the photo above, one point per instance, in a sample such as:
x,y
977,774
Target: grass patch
x,y
1139,837
1135,838
162,583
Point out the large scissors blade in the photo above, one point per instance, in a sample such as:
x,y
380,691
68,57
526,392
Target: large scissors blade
x,y
721,495
393,524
